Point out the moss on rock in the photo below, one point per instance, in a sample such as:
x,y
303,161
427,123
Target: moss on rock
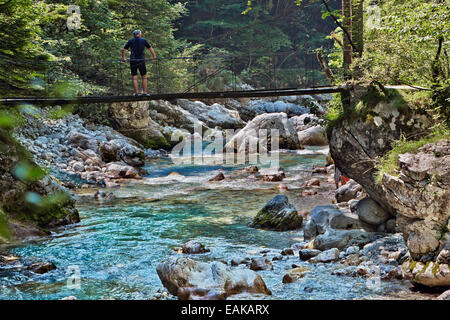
x,y
157,143
26,194
278,214
5,233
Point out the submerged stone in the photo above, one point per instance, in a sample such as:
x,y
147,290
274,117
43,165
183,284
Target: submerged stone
x,y
278,214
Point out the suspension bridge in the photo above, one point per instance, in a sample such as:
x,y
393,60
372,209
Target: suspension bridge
x,y
204,77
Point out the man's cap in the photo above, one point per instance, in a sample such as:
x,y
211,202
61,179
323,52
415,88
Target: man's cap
x,y
136,32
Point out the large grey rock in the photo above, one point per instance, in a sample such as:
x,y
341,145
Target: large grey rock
x,y
122,150
342,239
193,247
431,274
349,191
250,135
421,196
330,255
314,136
261,106
133,120
245,112
167,114
278,214
306,254
215,115
371,212
305,121
261,263
356,142
347,220
193,280
272,175
120,170
320,218
330,216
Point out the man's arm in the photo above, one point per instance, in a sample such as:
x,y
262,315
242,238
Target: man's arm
x,y
123,54
152,52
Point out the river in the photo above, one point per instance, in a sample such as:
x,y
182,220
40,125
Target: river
x,y
117,245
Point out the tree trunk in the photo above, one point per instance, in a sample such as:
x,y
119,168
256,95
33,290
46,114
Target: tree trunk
x,y
347,24
435,65
358,26
325,67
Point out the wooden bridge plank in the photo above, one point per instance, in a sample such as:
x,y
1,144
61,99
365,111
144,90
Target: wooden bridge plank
x,y
172,96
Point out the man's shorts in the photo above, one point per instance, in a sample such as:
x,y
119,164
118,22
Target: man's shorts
x,y
138,65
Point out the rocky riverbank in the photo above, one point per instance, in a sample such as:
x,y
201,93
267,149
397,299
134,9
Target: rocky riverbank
x,y
81,153
366,230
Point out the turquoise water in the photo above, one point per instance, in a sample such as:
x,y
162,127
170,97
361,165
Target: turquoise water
x,y
117,245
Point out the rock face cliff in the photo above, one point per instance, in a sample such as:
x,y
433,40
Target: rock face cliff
x,y
421,196
418,194
132,119
366,132
26,206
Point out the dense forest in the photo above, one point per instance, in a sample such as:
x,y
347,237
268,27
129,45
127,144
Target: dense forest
x,y
88,55
41,52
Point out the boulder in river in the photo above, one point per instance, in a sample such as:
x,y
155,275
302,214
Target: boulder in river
x,y
273,175
194,247
122,150
219,177
342,239
314,136
278,214
120,170
295,274
330,255
371,212
42,267
304,121
320,220
306,254
262,263
193,280
215,115
349,191
253,132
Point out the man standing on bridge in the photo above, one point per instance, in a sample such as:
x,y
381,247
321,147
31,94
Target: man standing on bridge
x,y
137,59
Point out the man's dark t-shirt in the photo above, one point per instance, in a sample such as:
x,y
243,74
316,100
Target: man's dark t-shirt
x,y
137,46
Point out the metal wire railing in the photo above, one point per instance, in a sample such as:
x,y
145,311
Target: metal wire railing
x,y
167,75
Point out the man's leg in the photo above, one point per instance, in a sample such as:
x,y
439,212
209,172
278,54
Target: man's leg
x,y
135,84
144,83
143,71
